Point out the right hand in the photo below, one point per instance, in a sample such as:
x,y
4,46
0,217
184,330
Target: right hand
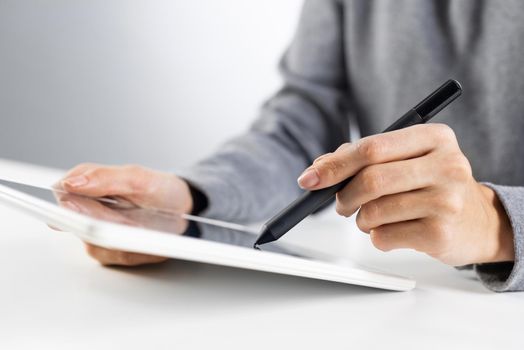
x,y
143,187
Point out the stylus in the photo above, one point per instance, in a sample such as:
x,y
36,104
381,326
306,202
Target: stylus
x,y
310,201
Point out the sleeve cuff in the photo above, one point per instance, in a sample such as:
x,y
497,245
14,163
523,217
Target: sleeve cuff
x,y
216,190
507,276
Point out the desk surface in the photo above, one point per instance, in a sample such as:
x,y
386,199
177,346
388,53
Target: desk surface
x,y
53,296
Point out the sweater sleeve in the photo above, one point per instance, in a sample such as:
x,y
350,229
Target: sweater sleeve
x,y
507,276
254,175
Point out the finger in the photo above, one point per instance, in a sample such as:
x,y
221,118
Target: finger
x,y
81,168
376,181
74,172
110,257
348,159
105,181
396,208
409,234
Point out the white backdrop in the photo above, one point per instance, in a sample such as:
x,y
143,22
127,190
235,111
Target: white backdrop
x,y
156,82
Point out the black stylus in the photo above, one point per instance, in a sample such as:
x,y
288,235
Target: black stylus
x,y
312,200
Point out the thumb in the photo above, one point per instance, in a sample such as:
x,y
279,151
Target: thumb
x,y
330,169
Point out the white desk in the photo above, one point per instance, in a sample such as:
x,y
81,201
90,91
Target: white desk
x,y
52,296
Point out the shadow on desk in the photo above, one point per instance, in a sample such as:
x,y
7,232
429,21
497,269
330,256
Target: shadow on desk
x,y
181,284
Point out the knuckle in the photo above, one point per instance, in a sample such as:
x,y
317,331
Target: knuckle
x,y
342,210
328,167
401,204
344,147
441,235
96,172
361,222
377,239
372,180
371,149
458,167
451,204
322,157
442,132
367,216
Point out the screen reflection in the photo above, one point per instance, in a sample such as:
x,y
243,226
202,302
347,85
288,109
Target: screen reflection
x,y
121,211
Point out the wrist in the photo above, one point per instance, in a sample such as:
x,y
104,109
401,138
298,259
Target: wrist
x,y
500,230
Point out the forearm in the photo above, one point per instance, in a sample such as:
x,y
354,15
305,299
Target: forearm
x,y
246,179
253,176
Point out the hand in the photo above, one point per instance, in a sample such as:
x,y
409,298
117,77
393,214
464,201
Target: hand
x,y
415,189
143,187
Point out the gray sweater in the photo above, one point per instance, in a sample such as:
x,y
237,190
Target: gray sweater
x,y
344,68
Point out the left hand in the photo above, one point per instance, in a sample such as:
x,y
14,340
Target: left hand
x,y
415,189
132,217
144,187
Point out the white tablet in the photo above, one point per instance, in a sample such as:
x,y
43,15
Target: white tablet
x,y
112,223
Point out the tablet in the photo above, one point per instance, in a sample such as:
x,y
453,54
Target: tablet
x,y
118,224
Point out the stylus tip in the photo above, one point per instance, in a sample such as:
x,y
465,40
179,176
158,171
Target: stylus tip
x,y
265,237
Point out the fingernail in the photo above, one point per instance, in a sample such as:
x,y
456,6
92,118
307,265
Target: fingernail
x,y
76,181
308,179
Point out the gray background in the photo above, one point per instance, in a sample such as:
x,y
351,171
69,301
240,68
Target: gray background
x,y
160,83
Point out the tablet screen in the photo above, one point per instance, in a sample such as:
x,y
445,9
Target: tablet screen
x,y
122,211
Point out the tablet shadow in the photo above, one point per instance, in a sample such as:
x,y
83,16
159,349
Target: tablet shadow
x,y
182,284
